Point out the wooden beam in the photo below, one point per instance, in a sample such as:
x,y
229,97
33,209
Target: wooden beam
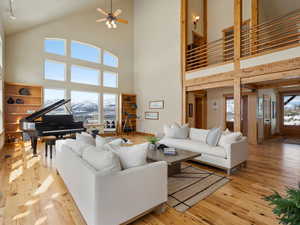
x,y
252,123
292,82
183,57
237,104
205,19
272,76
238,20
211,85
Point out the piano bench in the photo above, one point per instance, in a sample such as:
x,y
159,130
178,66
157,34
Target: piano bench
x,y
49,142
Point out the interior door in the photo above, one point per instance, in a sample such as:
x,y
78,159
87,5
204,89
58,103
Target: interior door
x,y
200,120
267,117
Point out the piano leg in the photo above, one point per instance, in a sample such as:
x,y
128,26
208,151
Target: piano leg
x,y
34,145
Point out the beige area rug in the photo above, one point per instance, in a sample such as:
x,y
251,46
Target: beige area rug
x,y
294,141
191,186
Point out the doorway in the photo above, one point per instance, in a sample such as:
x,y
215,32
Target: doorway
x,y
197,109
200,119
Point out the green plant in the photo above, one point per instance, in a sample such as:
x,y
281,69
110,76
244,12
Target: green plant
x,y
286,208
153,140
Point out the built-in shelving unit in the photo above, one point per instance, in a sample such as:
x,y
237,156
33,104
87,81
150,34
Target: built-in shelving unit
x,y
128,117
14,112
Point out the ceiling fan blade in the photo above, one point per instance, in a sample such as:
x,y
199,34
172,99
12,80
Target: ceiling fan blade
x,y
117,12
102,11
101,20
122,21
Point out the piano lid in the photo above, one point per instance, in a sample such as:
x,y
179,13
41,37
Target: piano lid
x,y
44,111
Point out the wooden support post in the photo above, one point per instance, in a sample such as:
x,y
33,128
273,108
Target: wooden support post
x,y
183,57
254,23
237,104
238,17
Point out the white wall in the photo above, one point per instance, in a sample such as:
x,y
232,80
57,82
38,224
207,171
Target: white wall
x,y
216,107
157,60
25,56
1,84
220,15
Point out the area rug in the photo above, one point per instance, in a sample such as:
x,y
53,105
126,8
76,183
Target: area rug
x,y
191,186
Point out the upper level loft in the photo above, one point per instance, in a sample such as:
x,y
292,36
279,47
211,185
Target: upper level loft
x,y
217,35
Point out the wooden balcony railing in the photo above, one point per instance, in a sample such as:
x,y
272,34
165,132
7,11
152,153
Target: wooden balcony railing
x,y
274,34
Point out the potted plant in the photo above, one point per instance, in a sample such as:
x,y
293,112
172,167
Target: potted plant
x,y
286,208
153,142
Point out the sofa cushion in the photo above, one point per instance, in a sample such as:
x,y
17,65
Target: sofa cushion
x,y
229,138
195,146
176,131
85,137
76,146
132,156
105,162
198,134
213,136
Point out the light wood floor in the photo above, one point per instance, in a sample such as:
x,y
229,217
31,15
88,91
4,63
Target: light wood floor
x,y
35,195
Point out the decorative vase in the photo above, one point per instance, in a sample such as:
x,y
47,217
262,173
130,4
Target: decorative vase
x,y
10,100
152,146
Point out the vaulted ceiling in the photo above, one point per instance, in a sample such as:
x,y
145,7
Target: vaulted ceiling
x,y
31,13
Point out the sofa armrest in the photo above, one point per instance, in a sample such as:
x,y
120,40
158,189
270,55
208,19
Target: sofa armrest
x,y
237,152
126,194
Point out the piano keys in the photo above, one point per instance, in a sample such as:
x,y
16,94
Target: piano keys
x,y
39,124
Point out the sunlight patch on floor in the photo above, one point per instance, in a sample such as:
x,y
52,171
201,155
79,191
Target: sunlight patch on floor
x,y
31,162
17,164
15,174
45,185
40,220
21,215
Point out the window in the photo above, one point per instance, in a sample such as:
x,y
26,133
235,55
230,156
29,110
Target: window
x,y
85,106
110,111
54,70
291,110
110,79
85,52
55,46
53,95
229,110
85,75
110,60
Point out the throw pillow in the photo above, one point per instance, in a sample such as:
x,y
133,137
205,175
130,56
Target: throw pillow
x,y
230,138
105,162
176,131
85,137
213,136
76,146
198,134
132,156
101,141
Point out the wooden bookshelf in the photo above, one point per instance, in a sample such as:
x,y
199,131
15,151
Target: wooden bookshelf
x,y
127,112
15,112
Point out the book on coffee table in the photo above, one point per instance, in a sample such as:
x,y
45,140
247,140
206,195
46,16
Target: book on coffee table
x,y
170,151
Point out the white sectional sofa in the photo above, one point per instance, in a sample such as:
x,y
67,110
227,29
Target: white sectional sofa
x,y
115,198
225,155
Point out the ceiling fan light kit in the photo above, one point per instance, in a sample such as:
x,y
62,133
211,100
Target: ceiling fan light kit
x,y
111,19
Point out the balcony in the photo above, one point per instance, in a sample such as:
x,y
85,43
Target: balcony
x,y
275,35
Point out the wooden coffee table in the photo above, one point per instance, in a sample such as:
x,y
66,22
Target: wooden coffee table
x,y
174,161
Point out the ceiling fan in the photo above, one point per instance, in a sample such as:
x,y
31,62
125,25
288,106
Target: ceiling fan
x,y
111,18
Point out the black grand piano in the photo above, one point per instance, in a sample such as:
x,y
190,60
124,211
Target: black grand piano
x,y
39,124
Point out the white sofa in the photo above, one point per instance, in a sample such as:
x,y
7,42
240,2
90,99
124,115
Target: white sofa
x,y
226,157
111,199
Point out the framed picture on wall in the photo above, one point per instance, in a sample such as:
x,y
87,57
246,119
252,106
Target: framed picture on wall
x,y
156,104
151,115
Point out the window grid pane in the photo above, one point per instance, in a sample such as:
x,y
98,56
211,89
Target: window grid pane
x,y
110,111
53,95
85,75
110,60
54,70
85,106
110,79
85,52
55,46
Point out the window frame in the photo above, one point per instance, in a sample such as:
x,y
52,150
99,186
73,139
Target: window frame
x,y
61,39
51,88
90,45
58,62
